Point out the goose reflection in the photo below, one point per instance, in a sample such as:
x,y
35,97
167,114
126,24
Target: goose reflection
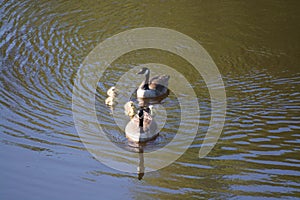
x,y
141,167
138,148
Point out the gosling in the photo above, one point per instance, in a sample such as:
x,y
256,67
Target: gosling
x,y
111,99
130,109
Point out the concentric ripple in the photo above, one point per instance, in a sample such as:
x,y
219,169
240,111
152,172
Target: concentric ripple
x,y
42,45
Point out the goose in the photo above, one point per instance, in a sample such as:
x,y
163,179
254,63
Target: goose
x,y
142,127
151,88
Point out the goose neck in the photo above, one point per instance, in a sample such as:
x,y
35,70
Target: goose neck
x,y
141,118
147,75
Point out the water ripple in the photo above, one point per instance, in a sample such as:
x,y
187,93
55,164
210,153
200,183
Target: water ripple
x,y
43,44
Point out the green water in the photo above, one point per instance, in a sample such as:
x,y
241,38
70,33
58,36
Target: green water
x,y
255,45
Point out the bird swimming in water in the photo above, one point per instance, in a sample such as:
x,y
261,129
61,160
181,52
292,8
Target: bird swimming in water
x,y
130,109
151,88
142,126
111,99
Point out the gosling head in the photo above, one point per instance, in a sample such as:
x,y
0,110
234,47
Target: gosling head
x,y
152,111
112,92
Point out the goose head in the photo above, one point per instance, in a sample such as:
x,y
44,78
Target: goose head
x,y
144,70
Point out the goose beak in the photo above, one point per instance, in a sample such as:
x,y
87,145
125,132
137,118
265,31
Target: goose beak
x,y
140,72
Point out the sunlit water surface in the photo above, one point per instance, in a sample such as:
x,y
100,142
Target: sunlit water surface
x,y
255,46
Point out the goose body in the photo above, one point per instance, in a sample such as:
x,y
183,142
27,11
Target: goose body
x,y
142,127
154,87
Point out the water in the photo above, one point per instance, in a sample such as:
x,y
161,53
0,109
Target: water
x,y
255,46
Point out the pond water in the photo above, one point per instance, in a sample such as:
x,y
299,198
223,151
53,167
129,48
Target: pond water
x,y
255,45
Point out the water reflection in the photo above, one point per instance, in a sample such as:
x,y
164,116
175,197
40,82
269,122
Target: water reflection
x,y
255,47
139,148
141,167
